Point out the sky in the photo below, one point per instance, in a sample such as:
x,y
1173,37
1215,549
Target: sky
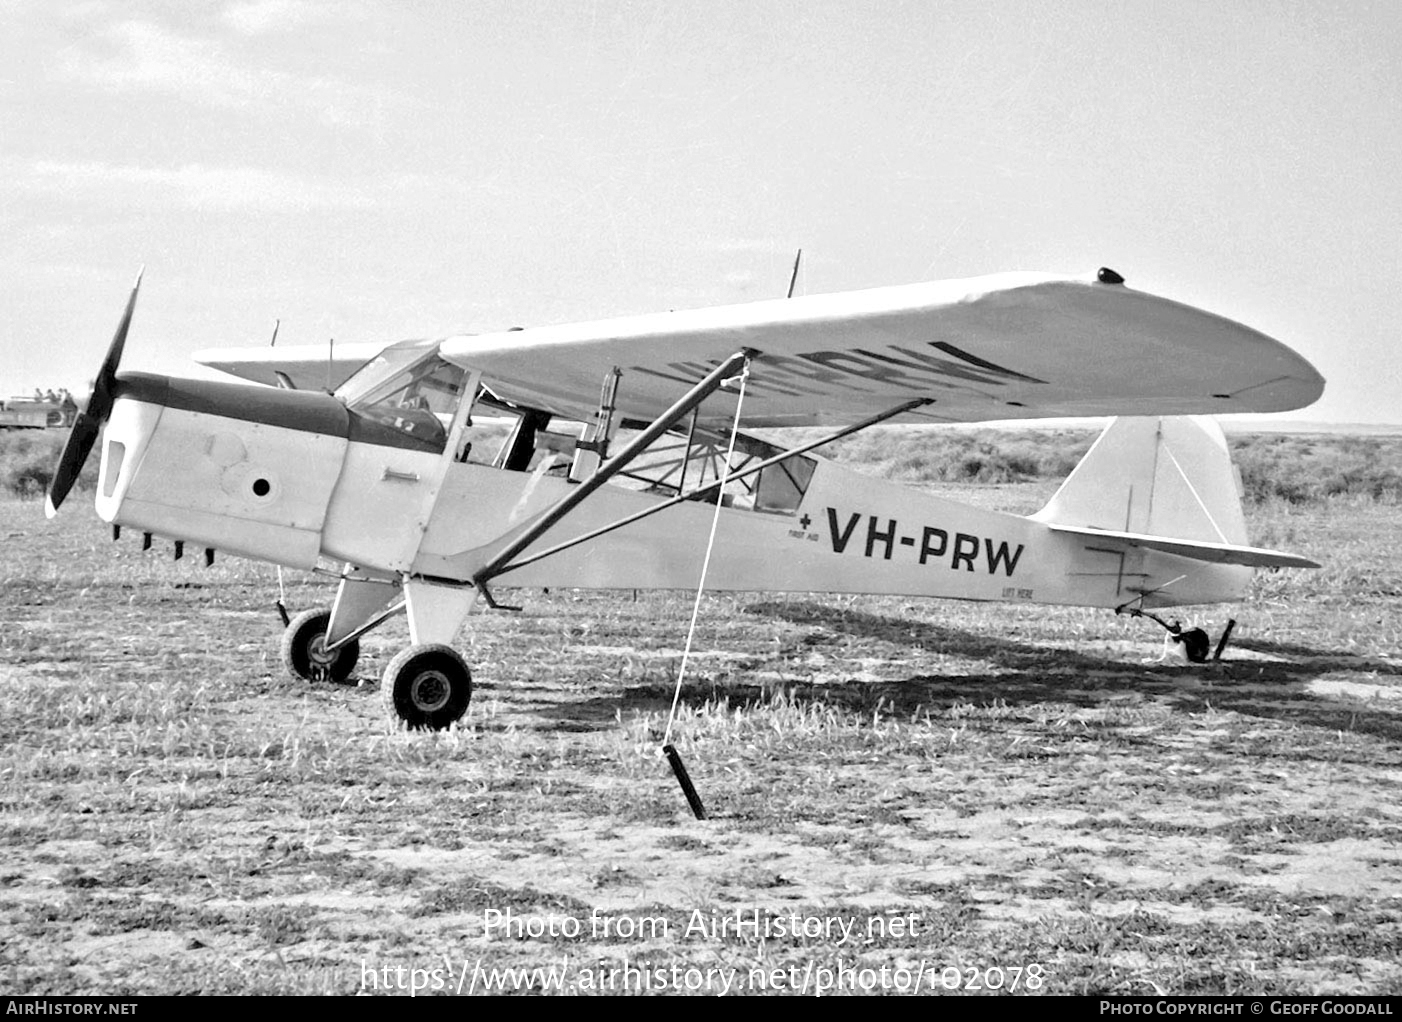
x,y
373,171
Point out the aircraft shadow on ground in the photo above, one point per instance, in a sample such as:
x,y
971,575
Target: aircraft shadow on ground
x,y
1022,673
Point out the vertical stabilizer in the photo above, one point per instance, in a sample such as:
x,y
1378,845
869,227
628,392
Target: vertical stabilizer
x,y
1168,477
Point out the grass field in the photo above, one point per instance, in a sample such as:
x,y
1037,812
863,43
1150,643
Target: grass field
x,y
933,795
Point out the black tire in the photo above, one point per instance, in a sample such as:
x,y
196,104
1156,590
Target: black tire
x,y
1196,644
304,654
427,686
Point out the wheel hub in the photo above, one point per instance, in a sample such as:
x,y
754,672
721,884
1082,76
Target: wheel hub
x,y
317,654
430,691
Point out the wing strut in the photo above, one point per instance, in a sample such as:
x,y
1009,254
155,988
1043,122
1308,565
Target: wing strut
x,y
693,494
612,467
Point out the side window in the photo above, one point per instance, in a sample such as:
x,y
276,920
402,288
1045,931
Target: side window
x,y
783,484
509,438
677,464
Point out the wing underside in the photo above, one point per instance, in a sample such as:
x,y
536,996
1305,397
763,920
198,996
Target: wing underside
x,y
1009,346
305,366
1003,347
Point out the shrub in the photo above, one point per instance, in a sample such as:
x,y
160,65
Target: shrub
x,y
1303,470
28,457
1274,467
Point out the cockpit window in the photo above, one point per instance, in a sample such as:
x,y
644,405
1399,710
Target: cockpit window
x,y
372,375
418,401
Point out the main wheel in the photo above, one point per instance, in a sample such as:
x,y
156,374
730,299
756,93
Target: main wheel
x,y
304,649
427,686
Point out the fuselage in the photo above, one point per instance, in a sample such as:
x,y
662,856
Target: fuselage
x,y
299,477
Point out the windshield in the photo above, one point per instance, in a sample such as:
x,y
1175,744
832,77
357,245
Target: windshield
x,y
418,400
373,373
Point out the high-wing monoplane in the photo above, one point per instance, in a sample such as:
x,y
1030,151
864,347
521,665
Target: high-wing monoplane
x,y
596,455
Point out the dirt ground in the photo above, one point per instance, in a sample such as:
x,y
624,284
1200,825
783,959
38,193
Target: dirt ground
x,y
902,796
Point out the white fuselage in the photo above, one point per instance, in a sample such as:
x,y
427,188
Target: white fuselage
x,y
293,495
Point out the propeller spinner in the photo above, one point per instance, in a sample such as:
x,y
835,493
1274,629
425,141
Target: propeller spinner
x,y
89,422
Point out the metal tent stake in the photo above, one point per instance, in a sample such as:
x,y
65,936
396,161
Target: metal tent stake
x,y
684,779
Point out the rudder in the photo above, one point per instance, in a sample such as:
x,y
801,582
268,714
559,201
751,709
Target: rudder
x,y
1170,476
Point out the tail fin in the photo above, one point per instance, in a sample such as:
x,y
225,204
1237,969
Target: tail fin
x,y
1158,477
1166,484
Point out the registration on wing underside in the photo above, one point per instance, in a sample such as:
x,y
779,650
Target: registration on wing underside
x,y
814,372
885,538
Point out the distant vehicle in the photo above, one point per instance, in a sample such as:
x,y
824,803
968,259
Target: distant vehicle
x,y
50,411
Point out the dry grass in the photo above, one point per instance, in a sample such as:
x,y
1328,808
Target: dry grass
x,y
1031,787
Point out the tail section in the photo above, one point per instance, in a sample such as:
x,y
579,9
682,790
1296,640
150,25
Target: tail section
x,y
1165,484
1158,477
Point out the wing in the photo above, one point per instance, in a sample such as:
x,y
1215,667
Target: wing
x,y
1000,347
307,366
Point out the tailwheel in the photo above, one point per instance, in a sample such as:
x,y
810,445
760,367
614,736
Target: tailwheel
x,y
1196,644
427,686
304,649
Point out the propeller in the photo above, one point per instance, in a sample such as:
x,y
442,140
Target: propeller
x,y
88,424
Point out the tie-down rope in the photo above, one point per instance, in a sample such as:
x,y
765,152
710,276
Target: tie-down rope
x,y
710,545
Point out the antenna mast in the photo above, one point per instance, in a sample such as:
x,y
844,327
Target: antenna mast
x,y
794,278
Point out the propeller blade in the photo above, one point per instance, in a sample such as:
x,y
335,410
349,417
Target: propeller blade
x,y
70,462
101,401
88,424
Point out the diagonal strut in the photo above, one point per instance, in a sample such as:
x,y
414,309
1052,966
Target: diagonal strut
x,y
610,468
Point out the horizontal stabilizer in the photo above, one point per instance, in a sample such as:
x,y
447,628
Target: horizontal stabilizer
x,y
1216,553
